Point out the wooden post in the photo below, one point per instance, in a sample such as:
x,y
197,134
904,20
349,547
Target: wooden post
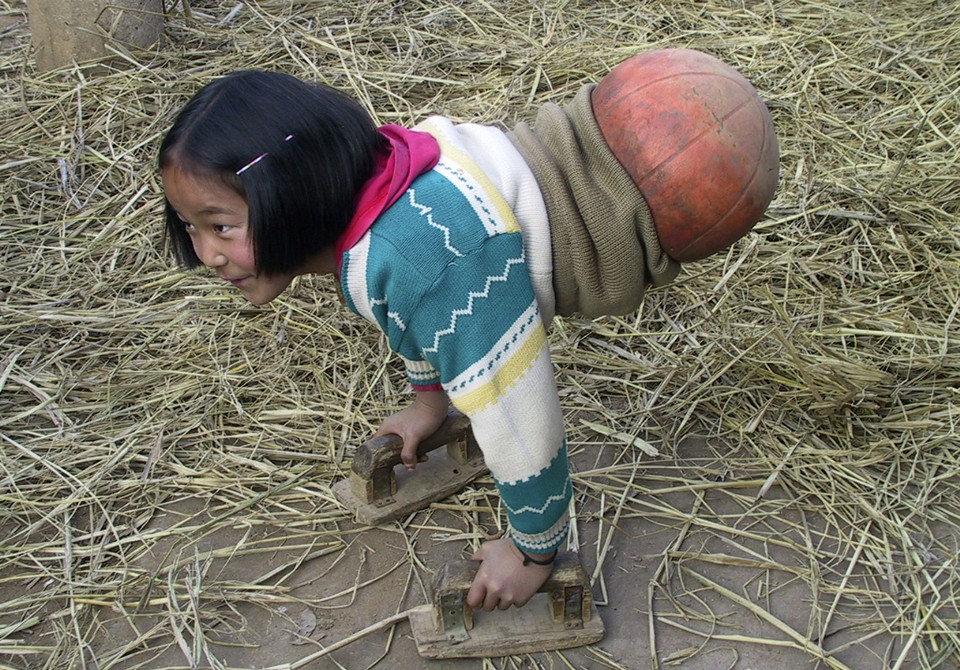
x,y
64,31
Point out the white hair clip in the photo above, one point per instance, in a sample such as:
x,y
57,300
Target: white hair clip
x,y
260,158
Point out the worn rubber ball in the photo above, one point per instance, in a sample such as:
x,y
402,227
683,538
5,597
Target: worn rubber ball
x,y
697,140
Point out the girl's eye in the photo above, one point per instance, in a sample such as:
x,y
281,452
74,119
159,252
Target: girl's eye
x,y
220,228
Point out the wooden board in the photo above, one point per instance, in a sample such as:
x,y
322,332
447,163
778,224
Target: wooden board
x,y
435,479
522,630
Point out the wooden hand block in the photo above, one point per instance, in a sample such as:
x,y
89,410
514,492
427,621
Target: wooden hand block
x,y
560,616
379,491
568,588
372,472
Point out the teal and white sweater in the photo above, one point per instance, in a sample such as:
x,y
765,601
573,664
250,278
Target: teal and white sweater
x,y
445,274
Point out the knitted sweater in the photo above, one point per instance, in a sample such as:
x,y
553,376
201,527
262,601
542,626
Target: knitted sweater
x,y
444,274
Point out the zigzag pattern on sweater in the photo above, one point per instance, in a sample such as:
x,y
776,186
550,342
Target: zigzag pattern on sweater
x,y
393,316
528,509
471,297
427,212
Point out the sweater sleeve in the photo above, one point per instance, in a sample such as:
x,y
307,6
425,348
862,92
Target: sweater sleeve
x,y
480,326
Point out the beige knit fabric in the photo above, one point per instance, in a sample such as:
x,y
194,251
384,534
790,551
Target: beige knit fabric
x,y
605,248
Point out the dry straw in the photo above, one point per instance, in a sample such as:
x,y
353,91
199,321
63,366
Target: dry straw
x,y
784,417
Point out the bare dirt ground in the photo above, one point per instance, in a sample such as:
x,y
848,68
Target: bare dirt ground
x,y
697,627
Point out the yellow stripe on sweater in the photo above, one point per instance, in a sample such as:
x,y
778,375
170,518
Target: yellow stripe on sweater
x,y
504,213
508,373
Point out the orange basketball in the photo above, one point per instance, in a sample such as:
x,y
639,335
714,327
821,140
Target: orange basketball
x,y
697,140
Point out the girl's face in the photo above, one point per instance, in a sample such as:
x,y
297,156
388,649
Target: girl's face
x,y
215,217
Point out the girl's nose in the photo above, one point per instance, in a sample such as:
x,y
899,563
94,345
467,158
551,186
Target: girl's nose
x,y
208,252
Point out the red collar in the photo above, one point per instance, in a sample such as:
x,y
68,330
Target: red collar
x,y
409,154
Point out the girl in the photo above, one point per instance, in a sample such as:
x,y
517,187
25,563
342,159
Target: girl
x,y
447,237
267,177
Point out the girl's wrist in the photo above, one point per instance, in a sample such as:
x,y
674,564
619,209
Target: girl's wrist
x,y
435,400
430,409
537,559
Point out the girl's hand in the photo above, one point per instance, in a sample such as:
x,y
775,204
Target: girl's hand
x,y
503,580
417,422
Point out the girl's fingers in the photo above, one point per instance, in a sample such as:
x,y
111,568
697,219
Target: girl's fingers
x,y
476,595
408,455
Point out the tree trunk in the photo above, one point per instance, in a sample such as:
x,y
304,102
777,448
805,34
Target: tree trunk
x,y
67,31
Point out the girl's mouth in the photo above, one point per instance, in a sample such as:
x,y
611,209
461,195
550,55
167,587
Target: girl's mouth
x,y
235,282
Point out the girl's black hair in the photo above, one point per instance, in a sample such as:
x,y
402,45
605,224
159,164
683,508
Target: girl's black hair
x,y
320,148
